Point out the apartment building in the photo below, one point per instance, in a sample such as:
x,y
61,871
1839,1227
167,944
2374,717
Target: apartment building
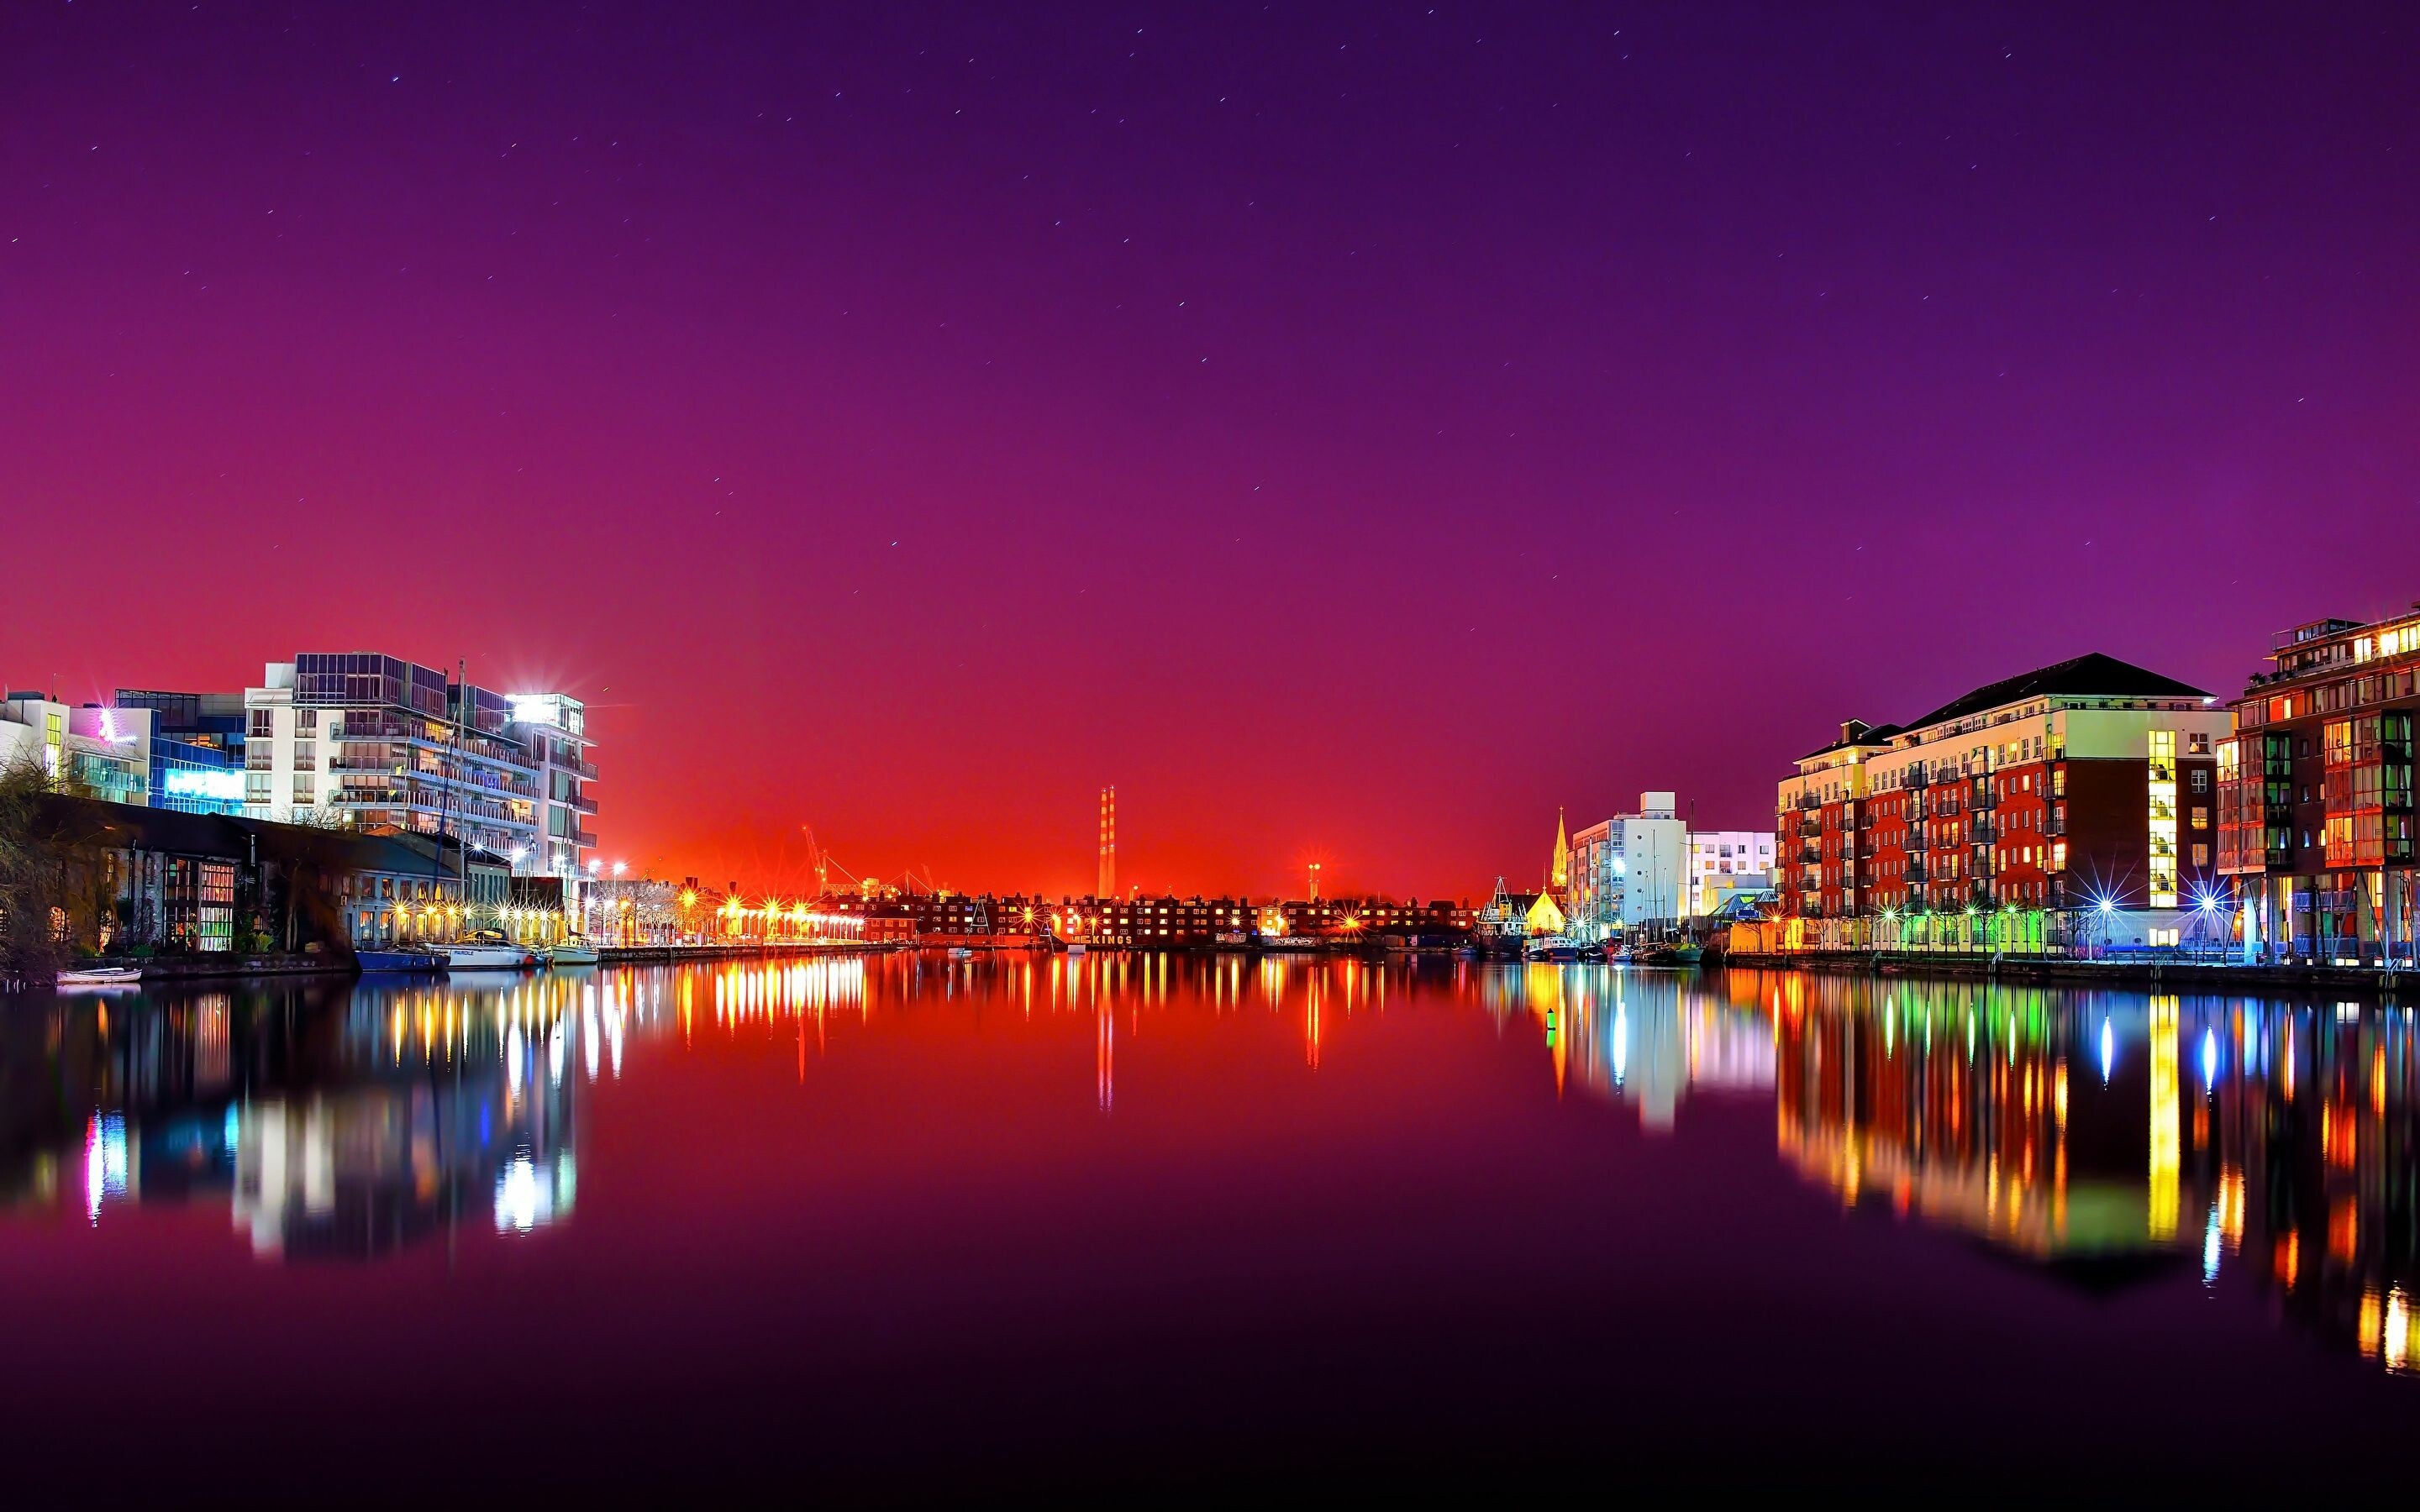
x,y
1630,869
1726,863
2315,814
87,750
378,742
2090,783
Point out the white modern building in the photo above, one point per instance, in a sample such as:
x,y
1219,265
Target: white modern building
x,y
1630,869
88,751
376,743
553,729
1724,863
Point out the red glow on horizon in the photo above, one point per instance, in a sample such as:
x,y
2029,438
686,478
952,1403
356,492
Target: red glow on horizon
x,y
1358,450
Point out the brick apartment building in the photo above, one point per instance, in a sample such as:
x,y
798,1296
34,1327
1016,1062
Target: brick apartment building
x,y
2315,826
2084,783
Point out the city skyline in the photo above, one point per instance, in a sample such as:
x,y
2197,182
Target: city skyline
x,y
908,425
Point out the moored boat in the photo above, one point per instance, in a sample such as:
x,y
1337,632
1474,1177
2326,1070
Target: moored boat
x,y
89,977
488,950
1684,955
1551,948
572,950
399,960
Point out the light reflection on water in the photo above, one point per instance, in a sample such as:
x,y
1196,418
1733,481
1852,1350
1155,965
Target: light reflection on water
x,y
2108,1139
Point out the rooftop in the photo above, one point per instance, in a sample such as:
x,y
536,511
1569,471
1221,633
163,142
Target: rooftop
x,y
228,838
1852,734
2092,675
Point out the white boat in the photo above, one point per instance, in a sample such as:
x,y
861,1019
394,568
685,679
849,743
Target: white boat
x,y
1075,947
101,977
572,950
960,952
488,950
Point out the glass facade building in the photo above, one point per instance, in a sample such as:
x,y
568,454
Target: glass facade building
x,y
383,744
194,779
197,747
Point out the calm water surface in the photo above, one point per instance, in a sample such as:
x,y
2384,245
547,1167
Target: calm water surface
x,y
894,1229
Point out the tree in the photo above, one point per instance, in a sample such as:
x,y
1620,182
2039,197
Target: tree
x,y
309,854
57,875
27,947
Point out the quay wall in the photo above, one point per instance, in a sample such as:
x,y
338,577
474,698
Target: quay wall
x,y
630,954
206,965
2154,974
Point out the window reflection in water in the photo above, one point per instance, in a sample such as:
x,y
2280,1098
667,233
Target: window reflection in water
x,y
2105,1137
2283,1155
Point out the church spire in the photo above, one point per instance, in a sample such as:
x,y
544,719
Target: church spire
x,y
1558,869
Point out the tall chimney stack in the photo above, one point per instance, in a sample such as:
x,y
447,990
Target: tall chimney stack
x,y
1108,887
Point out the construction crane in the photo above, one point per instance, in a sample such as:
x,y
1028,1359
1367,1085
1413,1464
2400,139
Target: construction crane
x,y
908,883
825,865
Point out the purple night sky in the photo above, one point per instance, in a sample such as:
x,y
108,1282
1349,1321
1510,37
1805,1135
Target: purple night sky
x,y
1354,431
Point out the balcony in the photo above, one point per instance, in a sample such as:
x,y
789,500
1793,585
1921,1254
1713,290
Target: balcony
x,y
1915,779
2056,826
584,803
1810,856
366,727
1812,828
1980,832
431,801
1914,873
1809,802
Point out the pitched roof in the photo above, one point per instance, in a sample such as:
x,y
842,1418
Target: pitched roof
x,y
229,836
1876,735
136,827
2093,675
